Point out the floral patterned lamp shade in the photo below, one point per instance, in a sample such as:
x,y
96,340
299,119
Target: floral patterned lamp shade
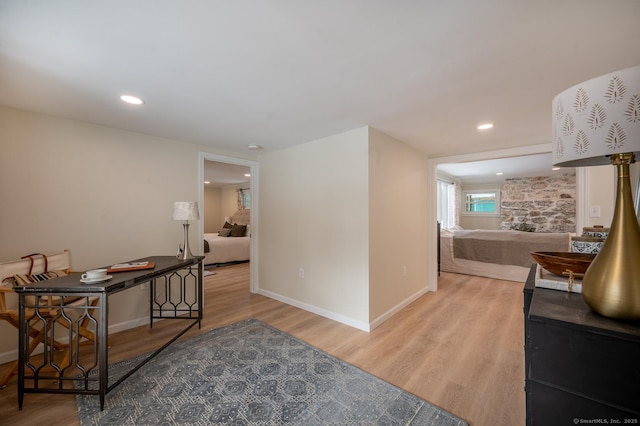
x,y
598,122
597,118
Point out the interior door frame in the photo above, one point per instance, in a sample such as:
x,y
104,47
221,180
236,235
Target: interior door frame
x,y
581,192
255,202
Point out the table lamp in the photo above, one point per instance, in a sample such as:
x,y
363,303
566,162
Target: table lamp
x,y
593,123
186,210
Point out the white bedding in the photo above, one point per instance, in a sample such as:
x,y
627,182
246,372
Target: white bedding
x,y
448,263
226,249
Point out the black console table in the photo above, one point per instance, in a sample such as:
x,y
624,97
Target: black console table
x,y
60,305
581,368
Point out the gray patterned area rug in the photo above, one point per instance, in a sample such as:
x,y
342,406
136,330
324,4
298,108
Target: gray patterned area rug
x,y
249,373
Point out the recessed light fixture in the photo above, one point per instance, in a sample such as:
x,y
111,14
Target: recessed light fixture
x,y
555,168
499,174
247,175
131,100
206,182
485,126
254,147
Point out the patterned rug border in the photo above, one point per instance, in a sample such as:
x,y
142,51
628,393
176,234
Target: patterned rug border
x,y
89,409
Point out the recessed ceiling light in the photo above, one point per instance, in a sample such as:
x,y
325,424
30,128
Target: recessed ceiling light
x,y
485,126
499,174
254,147
247,175
555,168
131,100
206,182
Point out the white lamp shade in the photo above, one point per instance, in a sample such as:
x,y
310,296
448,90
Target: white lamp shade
x,y
597,118
185,210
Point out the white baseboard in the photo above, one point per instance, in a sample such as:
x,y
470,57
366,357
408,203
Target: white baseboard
x,y
391,312
344,319
129,324
10,356
316,310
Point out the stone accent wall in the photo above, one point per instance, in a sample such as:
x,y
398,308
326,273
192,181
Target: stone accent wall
x,y
547,202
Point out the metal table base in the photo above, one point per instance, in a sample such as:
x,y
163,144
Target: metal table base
x,y
75,317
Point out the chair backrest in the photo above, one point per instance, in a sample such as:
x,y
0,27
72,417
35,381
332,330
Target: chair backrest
x,y
55,262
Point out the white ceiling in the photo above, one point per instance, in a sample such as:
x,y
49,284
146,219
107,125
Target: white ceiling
x,y
484,172
283,72
223,174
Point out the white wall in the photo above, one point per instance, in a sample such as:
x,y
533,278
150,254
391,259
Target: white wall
x,y
105,194
601,182
351,211
480,222
398,221
314,215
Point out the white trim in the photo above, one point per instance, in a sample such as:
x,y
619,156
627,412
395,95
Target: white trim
x,y
391,312
432,229
316,310
254,284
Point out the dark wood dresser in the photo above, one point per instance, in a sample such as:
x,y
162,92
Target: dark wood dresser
x,y
580,367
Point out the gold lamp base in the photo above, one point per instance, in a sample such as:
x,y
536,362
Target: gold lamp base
x,y
611,285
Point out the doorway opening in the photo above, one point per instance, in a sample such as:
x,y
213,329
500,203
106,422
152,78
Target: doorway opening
x,y
230,197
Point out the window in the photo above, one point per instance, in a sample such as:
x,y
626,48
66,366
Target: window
x,y
482,202
244,198
446,204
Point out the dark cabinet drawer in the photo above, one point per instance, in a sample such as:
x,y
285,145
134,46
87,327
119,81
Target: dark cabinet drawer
x,y
597,366
557,407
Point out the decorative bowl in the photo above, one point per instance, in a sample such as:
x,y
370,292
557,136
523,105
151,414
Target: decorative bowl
x,y
558,262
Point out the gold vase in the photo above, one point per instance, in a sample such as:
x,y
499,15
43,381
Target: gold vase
x,y
611,285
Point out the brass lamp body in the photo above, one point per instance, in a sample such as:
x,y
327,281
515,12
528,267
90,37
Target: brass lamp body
x,y
611,285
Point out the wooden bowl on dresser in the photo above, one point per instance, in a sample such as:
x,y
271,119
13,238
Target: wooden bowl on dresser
x,y
560,262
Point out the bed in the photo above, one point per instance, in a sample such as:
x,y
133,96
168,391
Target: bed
x,y
225,249
497,254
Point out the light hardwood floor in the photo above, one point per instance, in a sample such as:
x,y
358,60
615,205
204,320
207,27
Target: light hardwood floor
x,y
460,348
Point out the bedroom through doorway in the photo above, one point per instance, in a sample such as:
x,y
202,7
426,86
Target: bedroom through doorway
x,y
226,234
506,158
